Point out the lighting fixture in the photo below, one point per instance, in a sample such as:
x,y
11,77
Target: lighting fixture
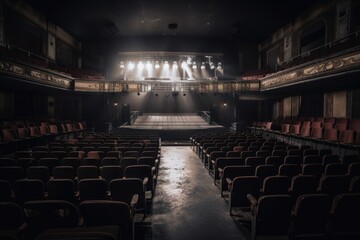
x,y
203,65
166,64
122,64
194,65
212,66
219,66
175,65
157,65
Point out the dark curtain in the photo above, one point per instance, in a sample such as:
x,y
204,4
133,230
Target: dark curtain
x,y
312,106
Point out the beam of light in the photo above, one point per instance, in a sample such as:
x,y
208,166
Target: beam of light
x,y
166,64
148,65
175,65
131,66
183,64
140,65
122,66
203,65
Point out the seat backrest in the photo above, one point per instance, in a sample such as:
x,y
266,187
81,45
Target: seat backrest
x,y
334,184
336,169
311,214
263,171
92,189
274,160
316,132
7,162
105,212
254,162
64,172
91,161
61,189
289,170
276,185
350,158
330,158
46,214
11,217
312,159
11,174
345,213
293,159
5,190
354,169
313,169
140,171
28,190
355,185
111,172
241,187
303,184
124,189
71,161
84,172
331,134
273,215
127,161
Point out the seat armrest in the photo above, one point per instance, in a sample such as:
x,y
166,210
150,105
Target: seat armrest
x,y
228,180
145,181
220,170
252,200
134,200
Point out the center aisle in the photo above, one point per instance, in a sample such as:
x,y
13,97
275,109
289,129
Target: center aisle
x,y
187,205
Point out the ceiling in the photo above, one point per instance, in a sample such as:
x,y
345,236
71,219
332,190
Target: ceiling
x,y
246,21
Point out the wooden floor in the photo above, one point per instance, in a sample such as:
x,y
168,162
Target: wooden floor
x,y
158,121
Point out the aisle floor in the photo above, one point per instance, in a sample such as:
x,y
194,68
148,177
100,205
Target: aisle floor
x,y
187,205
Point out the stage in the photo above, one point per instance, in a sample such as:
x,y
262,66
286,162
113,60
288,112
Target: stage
x,y
171,126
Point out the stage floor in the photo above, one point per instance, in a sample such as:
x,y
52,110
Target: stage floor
x,y
170,121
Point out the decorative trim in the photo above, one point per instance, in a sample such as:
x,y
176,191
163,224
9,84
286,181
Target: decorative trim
x,y
37,76
330,66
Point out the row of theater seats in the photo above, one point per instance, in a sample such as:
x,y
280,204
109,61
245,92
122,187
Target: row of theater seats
x,y
22,135
107,178
57,219
293,191
334,130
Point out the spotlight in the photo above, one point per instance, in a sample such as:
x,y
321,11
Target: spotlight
x,y
157,65
115,104
166,64
212,66
225,104
194,65
175,65
203,65
122,65
219,66
138,93
140,65
131,66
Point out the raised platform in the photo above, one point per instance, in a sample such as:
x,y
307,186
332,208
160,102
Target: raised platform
x,y
171,126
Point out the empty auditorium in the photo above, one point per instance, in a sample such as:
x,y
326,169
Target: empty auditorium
x,y
173,120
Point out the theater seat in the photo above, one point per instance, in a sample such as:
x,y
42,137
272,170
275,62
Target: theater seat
x,y
271,215
310,215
